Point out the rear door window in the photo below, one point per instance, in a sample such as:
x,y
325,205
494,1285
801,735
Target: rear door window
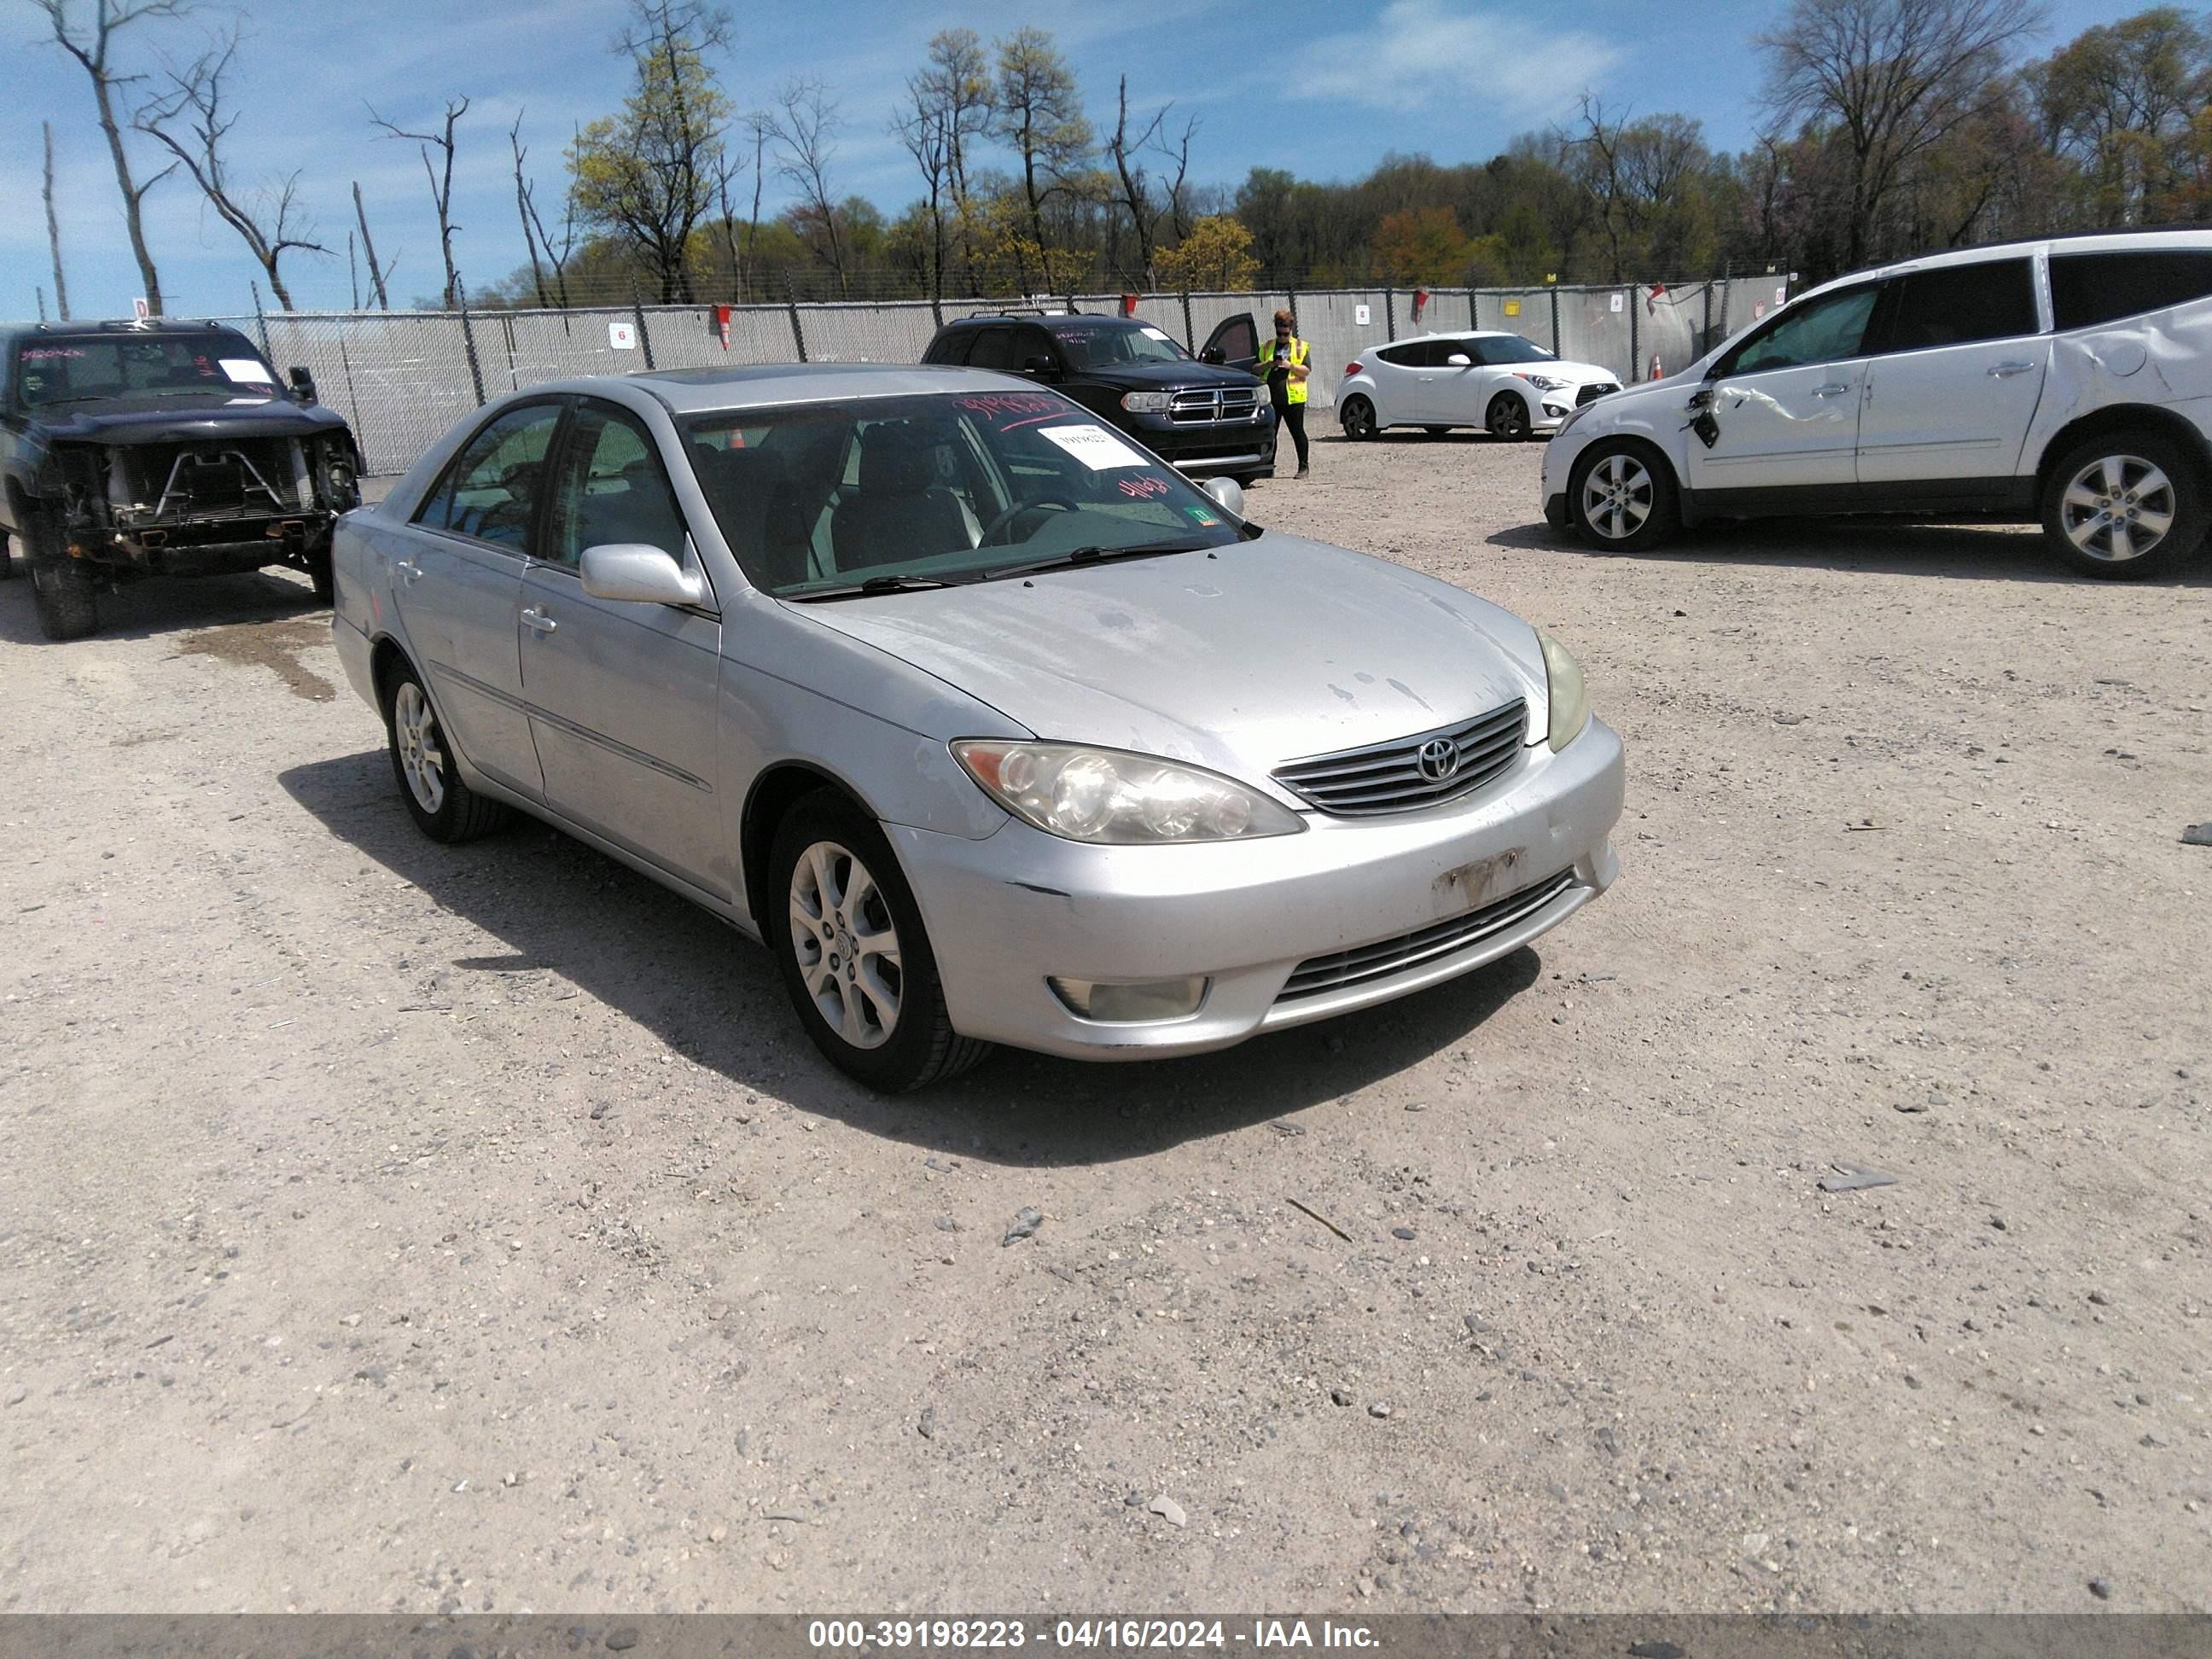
x,y
2089,289
1417,354
952,347
1959,305
491,490
994,349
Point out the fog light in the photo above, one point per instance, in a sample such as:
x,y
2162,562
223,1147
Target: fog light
x,y
1557,411
1131,1005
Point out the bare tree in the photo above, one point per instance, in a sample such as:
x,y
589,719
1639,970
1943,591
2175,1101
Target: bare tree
x,y
353,270
522,209
441,185
90,46
1179,213
53,226
194,102
803,124
1136,194
920,124
1896,76
377,273
760,127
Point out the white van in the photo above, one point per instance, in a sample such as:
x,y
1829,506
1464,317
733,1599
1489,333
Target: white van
x,y
2068,381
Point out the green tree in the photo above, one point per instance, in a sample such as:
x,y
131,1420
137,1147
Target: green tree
x,y
2118,100
651,175
1039,112
1215,256
1421,245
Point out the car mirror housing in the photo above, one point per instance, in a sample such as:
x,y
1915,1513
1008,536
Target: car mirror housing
x,y
1227,494
1040,366
1458,360
634,573
1213,354
303,384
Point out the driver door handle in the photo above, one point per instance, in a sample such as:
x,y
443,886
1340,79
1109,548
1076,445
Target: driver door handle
x,y
534,617
2002,371
1832,389
408,571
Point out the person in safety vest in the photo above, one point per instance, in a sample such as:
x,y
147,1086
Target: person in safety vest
x,y
1287,362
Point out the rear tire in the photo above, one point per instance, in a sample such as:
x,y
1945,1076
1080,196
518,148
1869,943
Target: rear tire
x,y
443,807
1357,416
1621,496
63,589
2105,493
1507,419
855,957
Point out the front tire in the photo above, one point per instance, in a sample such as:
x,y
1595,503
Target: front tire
x,y
855,957
1357,416
2125,507
320,572
443,807
63,590
1507,419
1622,497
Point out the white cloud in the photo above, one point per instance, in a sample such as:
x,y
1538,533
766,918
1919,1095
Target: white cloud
x,y
1424,52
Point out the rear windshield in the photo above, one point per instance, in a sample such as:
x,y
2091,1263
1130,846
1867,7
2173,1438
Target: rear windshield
x,y
51,369
950,487
1104,348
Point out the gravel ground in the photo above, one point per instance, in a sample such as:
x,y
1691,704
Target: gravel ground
x,y
391,1227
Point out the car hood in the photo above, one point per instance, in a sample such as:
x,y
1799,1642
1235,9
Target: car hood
x,y
1166,377
1578,373
173,421
1269,651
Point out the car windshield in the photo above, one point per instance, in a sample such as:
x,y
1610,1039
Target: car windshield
x,y
1513,349
53,369
1106,348
816,500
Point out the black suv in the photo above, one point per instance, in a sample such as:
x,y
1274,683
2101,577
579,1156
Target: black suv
x,y
160,449
1201,417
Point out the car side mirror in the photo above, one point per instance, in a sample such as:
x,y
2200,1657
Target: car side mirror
x,y
1227,494
1458,360
1040,366
303,384
1213,354
637,575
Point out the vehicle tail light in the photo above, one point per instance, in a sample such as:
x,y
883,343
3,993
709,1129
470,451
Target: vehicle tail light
x,y
1353,368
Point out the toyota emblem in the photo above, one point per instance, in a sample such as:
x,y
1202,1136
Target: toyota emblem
x,y
1439,759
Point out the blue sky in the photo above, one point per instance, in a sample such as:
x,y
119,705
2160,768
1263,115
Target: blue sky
x,y
1454,78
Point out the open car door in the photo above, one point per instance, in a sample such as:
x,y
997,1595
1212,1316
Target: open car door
x,y
1235,341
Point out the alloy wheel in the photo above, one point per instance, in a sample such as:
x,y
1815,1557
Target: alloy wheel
x,y
847,945
1508,418
1359,418
2118,508
1617,494
421,758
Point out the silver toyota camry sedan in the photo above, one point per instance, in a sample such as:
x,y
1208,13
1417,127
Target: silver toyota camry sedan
x,y
987,723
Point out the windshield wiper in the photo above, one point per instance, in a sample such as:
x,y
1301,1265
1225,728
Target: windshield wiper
x,y
1083,555
874,585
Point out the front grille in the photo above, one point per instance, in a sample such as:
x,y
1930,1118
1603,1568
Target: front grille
x,y
1590,394
1317,976
1397,777
1210,405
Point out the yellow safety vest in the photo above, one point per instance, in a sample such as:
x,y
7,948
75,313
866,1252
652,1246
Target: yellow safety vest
x,y
1301,354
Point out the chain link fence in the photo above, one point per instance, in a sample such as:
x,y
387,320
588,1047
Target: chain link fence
x,y
403,378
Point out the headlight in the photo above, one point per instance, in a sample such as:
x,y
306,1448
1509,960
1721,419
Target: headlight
x,y
1145,402
1542,382
1569,700
1115,799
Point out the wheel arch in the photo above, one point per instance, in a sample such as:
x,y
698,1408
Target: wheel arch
x,y
2125,417
778,789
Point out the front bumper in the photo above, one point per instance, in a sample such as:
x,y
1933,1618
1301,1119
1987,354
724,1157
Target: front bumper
x,y
1006,912
1209,449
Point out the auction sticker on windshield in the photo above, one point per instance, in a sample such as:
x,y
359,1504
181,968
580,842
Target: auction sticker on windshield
x,y
1151,333
245,371
1093,445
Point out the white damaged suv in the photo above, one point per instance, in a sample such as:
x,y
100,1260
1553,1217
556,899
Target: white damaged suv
x,y
2067,381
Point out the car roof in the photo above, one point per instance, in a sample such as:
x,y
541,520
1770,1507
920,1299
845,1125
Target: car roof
x,y
124,325
762,386
1057,318
2121,239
